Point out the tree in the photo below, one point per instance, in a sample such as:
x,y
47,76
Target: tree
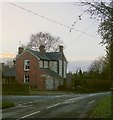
x,y
99,69
51,43
104,11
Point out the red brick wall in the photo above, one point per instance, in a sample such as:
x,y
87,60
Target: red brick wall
x,y
34,72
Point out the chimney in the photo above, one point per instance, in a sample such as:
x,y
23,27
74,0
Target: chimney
x,y
60,48
42,49
20,50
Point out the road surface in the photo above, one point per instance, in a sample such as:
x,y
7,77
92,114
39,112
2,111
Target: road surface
x,y
52,106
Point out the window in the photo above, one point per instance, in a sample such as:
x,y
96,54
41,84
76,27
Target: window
x,y
41,63
45,64
26,78
26,65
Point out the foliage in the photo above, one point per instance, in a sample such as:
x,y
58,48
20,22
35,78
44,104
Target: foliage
x,y
95,79
7,104
99,69
104,11
103,109
50,42
15,89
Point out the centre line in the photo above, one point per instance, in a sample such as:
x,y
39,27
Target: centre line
x,y
28,115
53,105
91,102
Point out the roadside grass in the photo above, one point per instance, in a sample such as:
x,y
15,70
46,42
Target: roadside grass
x,y
103,109
6,104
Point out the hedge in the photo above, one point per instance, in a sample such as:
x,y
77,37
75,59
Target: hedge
x,y
15,89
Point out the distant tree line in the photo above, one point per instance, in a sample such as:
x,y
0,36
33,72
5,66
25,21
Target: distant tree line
x,y
97,77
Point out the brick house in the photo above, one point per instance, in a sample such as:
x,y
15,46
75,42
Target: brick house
x,y
45,70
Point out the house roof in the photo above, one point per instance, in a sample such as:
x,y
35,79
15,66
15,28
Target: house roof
x,y
8,71
38,54
53,55
51,73
47,55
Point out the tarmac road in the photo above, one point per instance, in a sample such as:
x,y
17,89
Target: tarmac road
x,y
52,106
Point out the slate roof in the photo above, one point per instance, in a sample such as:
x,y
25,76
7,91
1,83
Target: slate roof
x,y
38,54
8,71
53,55
52,73
47,55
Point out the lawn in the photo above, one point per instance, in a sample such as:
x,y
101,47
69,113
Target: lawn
x,y
103,109
6,104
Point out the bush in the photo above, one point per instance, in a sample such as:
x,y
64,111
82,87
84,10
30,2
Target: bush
x,y
7,104
93,85
15,89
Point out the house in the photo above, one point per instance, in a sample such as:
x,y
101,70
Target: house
x,y
45,70
8,74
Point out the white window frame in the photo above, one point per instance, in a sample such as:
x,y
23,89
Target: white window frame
x,y
41,63
45,64
26,79
26,65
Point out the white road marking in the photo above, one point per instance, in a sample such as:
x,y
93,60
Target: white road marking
x,y
53,105
26,106
30,102
91,102
28,115
24,103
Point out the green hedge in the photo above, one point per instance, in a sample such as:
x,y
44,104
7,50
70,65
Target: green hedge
x,y
7,104
92,85
15,89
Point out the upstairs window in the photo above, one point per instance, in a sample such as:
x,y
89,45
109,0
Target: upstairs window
x,y
41,63
26,65
26,79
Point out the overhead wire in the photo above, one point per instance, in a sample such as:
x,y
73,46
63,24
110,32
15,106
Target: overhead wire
x,y
61,24
80,35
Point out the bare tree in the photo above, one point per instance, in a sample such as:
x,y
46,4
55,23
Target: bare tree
x,y
50,42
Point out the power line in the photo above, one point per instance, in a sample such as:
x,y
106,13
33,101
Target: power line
x,y
80,35
61,24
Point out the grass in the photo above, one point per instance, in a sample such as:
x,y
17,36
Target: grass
x,y
6,104
103,109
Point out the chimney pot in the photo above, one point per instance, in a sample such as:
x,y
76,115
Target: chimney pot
x,y
60,48
20,50
42,49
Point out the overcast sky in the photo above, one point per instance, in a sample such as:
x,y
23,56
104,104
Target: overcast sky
x,y
81,44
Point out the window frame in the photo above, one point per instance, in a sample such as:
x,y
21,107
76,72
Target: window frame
x,y
26,79
26,65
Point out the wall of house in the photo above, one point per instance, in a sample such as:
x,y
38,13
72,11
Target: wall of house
x,y
34,71
60,67
53,66
51,83
65,69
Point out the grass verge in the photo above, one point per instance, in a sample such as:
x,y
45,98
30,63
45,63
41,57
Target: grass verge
x,y
6,104
103,109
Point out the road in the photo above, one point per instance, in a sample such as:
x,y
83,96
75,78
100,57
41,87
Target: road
x,y
52,106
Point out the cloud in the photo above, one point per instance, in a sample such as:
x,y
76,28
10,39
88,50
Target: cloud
x,y
7,55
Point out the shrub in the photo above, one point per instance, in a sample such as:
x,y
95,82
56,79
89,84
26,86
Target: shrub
x,y
15,89
7,104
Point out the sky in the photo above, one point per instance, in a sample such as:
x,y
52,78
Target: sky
x,y
81,44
